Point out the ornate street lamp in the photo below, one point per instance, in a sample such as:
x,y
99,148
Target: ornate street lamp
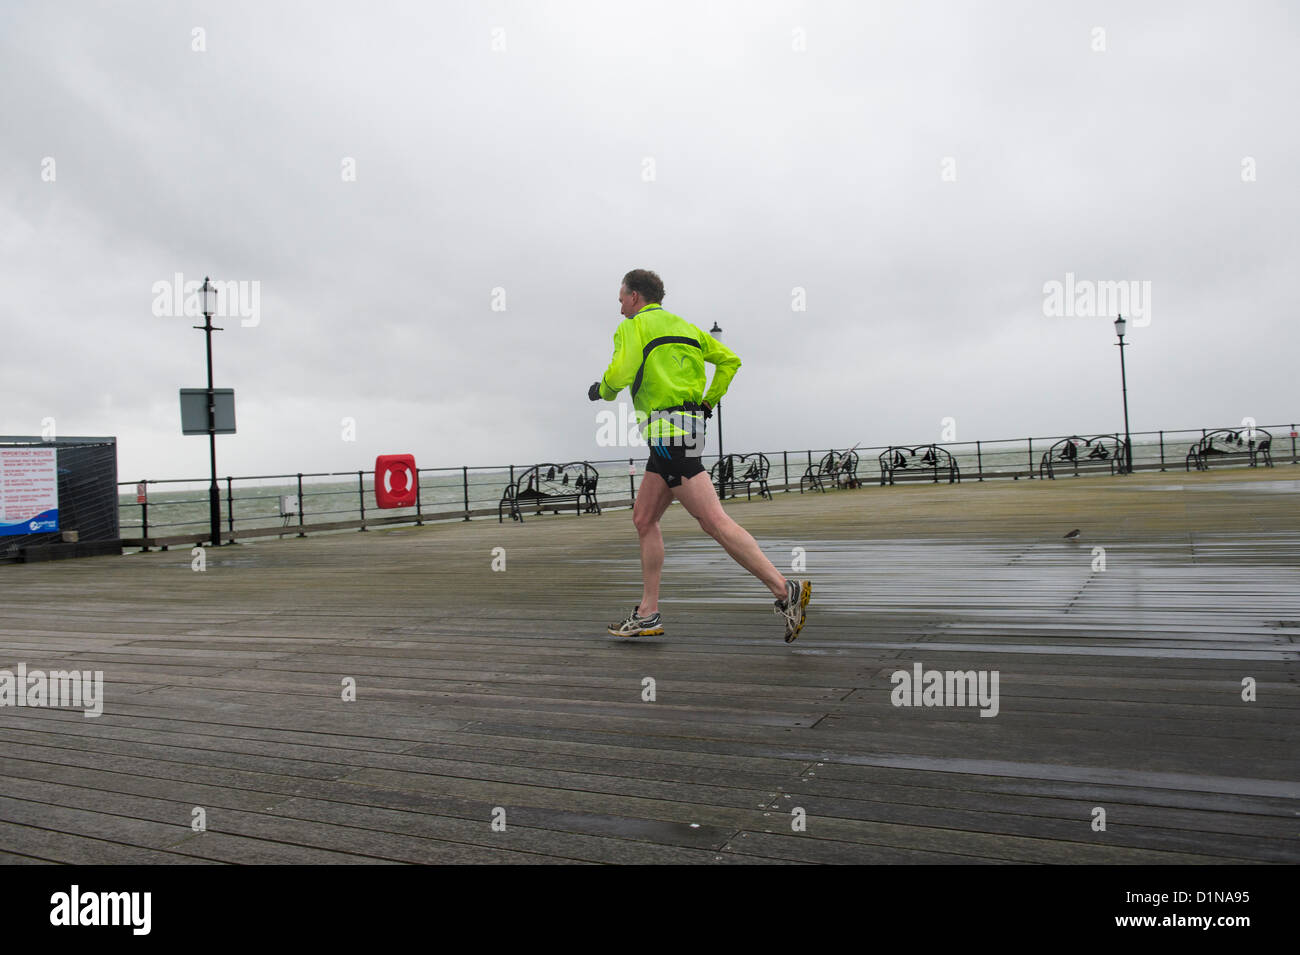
x,y
209,302
1120,325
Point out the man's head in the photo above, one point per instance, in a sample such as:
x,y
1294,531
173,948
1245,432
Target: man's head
x,y
641,287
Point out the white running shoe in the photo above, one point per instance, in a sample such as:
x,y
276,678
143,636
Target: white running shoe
x,y
638,626
794,607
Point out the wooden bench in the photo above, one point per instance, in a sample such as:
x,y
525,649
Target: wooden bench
x,y
1228,445
551,487
751,468
921,463
1100,453
837,468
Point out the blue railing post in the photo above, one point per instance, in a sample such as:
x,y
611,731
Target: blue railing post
x,y
230,509
361,496
464,471
144,508
418,521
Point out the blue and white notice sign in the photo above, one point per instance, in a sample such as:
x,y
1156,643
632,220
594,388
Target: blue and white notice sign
x,y
29,491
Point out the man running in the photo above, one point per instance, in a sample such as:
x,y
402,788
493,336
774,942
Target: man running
x,y
661,357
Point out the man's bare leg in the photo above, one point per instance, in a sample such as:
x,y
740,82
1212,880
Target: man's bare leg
x,y
651,502
700,498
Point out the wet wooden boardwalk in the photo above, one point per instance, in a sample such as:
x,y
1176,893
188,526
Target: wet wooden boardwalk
x,y
487,695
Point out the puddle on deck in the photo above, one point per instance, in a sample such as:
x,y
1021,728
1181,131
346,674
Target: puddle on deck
x,y
1264,487
1213,598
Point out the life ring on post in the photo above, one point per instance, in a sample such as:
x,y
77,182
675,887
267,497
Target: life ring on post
x,y
397,483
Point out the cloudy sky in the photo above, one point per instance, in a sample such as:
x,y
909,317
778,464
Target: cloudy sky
x,y
434,204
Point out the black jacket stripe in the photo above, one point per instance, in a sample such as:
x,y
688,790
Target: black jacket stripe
x,y
655,343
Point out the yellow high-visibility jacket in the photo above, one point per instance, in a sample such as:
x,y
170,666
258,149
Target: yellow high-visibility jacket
x,y
660,357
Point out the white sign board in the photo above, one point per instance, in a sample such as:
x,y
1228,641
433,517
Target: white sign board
x,y
29,491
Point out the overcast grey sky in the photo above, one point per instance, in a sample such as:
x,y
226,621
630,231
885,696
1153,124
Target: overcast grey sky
x,y
920,171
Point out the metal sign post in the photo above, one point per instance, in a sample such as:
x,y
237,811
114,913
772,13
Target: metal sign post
x,y
210,397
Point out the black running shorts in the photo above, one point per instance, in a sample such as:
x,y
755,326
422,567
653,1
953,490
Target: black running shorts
x,y
672,463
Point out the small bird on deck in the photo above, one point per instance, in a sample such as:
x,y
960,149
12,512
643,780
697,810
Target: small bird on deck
x,y
1073,535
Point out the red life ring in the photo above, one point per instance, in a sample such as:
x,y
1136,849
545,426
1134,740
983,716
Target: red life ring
x,y
397,482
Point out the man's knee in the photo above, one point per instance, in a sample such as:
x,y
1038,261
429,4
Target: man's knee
x,y
645,522
715,522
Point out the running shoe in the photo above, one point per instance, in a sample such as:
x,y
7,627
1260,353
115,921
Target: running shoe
x,y
794,607
638,626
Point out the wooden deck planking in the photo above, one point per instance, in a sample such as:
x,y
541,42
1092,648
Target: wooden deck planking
x,y
1119,688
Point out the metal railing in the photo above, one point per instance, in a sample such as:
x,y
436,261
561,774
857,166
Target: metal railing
x,y
341,500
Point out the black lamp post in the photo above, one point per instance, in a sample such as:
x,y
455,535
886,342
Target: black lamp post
x,y
209,299
1120,325
716,332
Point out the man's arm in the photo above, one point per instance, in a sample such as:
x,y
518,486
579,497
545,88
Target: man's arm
x,y
623,365
726,363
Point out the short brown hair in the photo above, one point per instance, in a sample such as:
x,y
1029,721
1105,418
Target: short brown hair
x,y
645,283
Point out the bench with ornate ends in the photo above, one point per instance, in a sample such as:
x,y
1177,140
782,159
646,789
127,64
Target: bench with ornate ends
x,y
732,472
925,462
836,468
1228,444
1076,455
551,487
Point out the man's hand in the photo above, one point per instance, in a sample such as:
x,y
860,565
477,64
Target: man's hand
x,y
593,393
708,411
